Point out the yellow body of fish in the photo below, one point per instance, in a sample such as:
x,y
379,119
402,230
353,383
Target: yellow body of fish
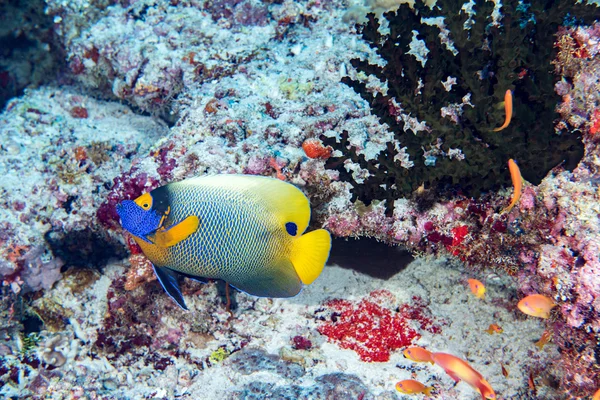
x,y
245,230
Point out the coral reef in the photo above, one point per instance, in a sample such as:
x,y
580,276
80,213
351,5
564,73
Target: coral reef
x,y
243,86
442,82
30,54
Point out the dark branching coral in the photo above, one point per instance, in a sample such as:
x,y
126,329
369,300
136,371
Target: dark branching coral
x,y
492,58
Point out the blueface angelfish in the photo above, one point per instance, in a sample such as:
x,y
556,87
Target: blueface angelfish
x,y
246,230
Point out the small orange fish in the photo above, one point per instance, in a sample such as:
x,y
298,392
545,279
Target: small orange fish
x,y
596,395
410,386
418,354
508,107
477,288
517,181
459,369
531,383
536,305
546,336
494,328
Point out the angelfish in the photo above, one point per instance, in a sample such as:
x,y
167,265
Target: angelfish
x,y
246,230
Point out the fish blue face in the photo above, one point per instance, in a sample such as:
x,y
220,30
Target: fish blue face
x,y
138,221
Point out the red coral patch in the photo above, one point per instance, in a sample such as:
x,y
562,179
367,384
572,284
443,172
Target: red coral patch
x,y
368,328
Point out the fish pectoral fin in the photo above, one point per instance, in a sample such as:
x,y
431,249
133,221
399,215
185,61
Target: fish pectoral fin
x,y
176,233
310,253
168,280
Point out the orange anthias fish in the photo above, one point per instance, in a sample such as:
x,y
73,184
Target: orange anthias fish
x,y
477,288
494,328
536,305
517,181
546,336
460,370
508,108
418,354
410,386
596,395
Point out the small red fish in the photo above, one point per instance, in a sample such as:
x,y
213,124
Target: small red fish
x,y
536,305
508,108
477,288
531,383
517,181
459,369
504,370
546,336
494,328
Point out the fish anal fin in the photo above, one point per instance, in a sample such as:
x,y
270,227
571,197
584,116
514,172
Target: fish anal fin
x,y
310,253
276,280
453,376
168,280
176,233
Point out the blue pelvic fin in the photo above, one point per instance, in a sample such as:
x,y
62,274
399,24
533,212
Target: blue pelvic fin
x,y
168,280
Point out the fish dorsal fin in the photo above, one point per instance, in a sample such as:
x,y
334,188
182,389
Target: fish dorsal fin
x,y
310,253
282,199
168,280
176,233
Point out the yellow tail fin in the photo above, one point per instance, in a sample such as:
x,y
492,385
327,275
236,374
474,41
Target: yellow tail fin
x,y
427,391
310,253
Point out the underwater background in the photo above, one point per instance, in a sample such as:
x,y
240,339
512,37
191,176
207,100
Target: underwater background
x,y
452,150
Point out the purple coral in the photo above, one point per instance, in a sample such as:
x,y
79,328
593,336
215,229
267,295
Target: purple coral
x,y
38,272
130,185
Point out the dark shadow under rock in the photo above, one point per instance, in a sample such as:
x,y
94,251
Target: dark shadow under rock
x,y
29,54
85,248
369,256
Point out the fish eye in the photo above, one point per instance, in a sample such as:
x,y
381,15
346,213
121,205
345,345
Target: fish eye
x,y
144,201
291,228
